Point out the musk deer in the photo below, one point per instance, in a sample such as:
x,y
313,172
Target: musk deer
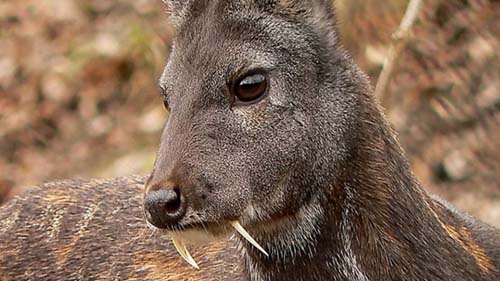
x,y
273,131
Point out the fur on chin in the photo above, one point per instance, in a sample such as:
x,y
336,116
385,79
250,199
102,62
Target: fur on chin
x,y
197,237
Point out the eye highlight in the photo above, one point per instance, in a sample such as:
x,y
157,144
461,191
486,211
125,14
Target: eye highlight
x,y
250,88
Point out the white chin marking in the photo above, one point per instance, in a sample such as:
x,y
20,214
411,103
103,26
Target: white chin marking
x,y
180,239
195,237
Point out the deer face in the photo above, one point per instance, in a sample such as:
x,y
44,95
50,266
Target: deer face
x,y
243,87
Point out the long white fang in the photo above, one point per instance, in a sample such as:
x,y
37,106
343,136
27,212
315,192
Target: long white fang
x,y
244,233
182,250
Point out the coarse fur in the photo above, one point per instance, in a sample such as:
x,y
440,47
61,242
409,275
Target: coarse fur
x,y
95,230
313,171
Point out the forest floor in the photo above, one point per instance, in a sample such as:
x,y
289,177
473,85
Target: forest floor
x,y
78,94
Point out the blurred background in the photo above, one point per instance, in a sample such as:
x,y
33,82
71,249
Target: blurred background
x,y
79,98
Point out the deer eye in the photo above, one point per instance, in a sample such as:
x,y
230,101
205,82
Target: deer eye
x,y
250,88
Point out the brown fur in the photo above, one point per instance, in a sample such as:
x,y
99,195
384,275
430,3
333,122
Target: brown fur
x,y
312,170
70,230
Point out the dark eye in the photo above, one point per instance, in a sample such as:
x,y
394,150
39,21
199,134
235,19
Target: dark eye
x,y
251,88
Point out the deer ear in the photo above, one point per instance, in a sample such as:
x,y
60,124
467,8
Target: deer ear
x,y
315,8
177,9
319,13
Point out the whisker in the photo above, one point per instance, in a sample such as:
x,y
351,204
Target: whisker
x,y
153,232
200,221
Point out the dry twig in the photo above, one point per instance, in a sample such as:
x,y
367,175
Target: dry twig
x,y
400,40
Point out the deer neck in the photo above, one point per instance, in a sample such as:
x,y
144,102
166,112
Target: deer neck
x,y
371,211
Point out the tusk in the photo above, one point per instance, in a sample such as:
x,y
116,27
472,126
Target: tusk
x,y
182,250
244,233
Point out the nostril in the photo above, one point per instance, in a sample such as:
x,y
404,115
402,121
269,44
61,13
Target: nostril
x,y
164,207
173,203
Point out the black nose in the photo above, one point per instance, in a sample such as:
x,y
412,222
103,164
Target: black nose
x,y
164,207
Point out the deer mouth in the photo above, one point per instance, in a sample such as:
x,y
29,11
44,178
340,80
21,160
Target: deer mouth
x,y
203,232
167,210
